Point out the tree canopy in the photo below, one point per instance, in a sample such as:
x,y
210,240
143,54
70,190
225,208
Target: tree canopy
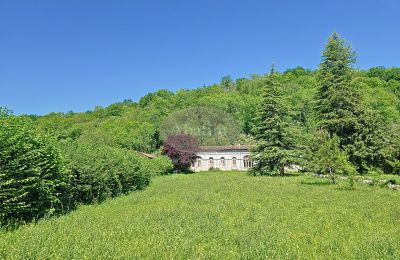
x,y
182,150
211,126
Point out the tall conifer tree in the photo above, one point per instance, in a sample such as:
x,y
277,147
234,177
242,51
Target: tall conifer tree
x,y
272,152
339,107
337,100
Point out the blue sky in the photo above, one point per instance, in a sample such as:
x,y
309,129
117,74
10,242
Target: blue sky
x,y
76,54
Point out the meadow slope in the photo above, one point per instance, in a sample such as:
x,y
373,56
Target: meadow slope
x,y
221,215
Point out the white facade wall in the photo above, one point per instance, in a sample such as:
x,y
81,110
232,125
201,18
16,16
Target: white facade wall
x,y
223,160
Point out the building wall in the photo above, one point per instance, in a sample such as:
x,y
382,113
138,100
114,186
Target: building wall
x,y
225,164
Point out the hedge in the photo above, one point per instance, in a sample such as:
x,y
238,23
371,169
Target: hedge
x,y
40,177
32,174
159,165
100,172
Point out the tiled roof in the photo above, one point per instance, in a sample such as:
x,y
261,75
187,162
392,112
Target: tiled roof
x,y
224,148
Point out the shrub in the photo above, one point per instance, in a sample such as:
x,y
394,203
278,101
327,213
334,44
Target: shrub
x,y
99,172
160,165
182,150
327,158
31,172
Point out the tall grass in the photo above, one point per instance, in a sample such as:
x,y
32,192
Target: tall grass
x,y
221,215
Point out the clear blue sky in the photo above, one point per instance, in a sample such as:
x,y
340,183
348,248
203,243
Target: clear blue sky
x,y
62,55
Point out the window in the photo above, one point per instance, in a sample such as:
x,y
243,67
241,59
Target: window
x,y
247,163
199,162
222,162
211,162
234,162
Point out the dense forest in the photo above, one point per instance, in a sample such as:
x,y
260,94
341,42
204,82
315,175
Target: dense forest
x,y
64,159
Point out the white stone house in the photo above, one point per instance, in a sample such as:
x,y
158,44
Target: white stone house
x,y
225,158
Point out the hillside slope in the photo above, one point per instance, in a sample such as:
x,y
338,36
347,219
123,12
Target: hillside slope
x,y
136,125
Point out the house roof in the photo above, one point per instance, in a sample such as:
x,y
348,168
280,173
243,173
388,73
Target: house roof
x,y
223,148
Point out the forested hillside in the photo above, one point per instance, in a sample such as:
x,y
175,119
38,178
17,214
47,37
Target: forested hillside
x,y
140,125
136,125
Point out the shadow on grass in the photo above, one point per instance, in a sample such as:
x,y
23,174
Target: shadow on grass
x,y
291,174
184,172
341,185
318,182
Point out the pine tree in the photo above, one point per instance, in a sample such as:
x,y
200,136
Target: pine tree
x,y
337,100
274,145
339,106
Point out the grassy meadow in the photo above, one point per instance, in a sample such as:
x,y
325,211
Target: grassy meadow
x,y
222,215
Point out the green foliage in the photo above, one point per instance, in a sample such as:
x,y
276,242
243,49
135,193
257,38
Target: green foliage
x,y
210,126
337,100
5,112
221,215
298,71
326,157
340,107
123,132
152,97
227,83
358,106
274,144
385,73
99,172
60,126
390,153
31,172
360,110
159,165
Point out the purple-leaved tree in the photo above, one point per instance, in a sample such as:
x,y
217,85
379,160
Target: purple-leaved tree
x,y
181,148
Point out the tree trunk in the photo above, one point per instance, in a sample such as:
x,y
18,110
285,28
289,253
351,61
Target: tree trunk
x,y
282,170
332,175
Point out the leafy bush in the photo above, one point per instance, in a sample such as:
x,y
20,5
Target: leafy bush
x,y
31,172
182,150
327,158
160,165
99,172
36,181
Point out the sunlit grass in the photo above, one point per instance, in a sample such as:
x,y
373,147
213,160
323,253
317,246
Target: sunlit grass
x,y
222,215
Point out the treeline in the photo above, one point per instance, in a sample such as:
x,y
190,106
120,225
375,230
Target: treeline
x,y
138,125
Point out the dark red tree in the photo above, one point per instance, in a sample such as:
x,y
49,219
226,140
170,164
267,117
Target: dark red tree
x,y
182,150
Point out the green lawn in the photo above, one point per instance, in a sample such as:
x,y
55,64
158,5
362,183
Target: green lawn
x,y
222,215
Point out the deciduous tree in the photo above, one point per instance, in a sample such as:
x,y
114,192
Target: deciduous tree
x,y
182,150
326,157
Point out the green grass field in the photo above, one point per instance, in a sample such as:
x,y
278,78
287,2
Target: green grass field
x,y
222,215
